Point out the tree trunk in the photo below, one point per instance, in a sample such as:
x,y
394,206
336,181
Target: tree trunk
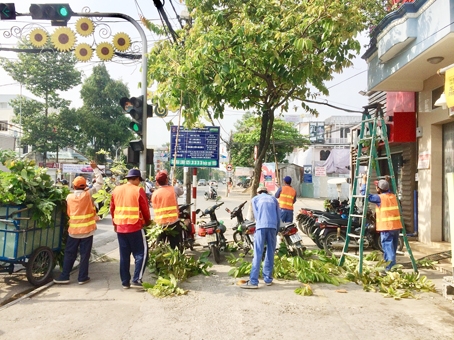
x,y
264,143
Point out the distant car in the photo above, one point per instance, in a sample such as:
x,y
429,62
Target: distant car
x,y
202,182
213,183
223,181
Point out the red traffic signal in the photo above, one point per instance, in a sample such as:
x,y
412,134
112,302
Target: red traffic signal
x,y
7,11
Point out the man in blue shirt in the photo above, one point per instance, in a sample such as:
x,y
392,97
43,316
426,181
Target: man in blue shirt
x,y
267,217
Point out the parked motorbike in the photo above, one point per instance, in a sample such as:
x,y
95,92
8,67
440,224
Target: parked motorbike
x,y
187,227
211,194
213,231
333,233
244,231
292,239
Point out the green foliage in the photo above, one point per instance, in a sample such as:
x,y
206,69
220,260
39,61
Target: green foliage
x,y
285,139
321,268
304,290
29,185
172,267
164,287
104,195
45,123
101,108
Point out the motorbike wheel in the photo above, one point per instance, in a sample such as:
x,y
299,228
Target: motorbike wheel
x,y
238,238
217,255
206,197
300,252
191,244
317,239
376,244
328,242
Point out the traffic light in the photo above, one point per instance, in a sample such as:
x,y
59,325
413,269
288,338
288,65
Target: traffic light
x,y
7,11
59,14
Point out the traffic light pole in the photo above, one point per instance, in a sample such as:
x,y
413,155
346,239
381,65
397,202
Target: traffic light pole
x,y
6,11
143,154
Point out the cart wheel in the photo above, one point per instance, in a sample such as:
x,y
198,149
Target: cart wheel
x,y
39,266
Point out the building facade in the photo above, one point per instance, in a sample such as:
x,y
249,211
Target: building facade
x,y
327,157
406,52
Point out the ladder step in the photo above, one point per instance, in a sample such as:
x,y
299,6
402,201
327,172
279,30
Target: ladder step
x,y
353,215
364,157
351,255
360,196
354,236
380,158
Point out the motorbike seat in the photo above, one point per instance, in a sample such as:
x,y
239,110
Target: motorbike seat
x,y
248,223
211,224
343,222
332,216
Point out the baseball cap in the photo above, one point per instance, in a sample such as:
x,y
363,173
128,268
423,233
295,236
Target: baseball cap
x,y
161,177
382,184
288,179
79,182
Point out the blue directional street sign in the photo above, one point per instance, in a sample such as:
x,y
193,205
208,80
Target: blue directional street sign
x,y
8,11
195,147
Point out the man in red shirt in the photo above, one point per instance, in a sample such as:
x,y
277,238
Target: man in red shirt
x,y
130,212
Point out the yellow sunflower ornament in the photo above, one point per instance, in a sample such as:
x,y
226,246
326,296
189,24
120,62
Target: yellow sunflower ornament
x,y
85,27
83,52
38,37
63,39
121,41
105,51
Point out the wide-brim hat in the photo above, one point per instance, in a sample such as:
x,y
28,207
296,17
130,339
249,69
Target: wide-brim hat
x,y
134,173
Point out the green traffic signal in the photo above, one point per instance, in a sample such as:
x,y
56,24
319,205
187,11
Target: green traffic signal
x,y
136,127
63,11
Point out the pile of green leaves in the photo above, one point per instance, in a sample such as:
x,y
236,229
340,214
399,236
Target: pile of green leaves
x,y
29,185
317,267
171,267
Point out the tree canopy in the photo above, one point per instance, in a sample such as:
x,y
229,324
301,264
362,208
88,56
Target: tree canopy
x,y
284,139
45,75
101,122
258,55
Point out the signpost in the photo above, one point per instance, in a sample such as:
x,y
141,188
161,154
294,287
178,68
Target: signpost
x,y
195,147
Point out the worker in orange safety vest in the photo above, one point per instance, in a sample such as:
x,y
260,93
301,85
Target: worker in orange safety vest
x,y
82,226
165,207
387,220
130,213
287,197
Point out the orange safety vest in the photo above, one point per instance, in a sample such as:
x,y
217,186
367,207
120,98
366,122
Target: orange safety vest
x,y
287,197
165,205
387,214
82,214
126,198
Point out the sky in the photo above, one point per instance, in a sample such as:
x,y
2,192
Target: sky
x,y
344,88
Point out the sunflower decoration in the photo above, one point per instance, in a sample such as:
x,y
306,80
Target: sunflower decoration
x,y
121,41
105,51
38,37
85,27
63,39
83,52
